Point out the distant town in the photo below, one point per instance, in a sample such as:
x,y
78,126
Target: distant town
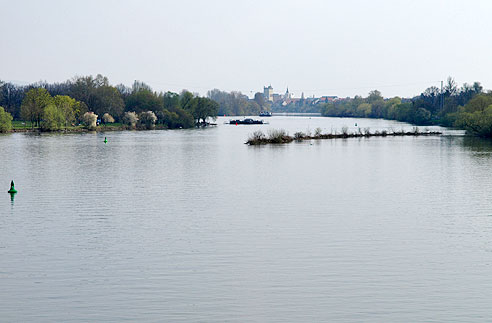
x,y
288,98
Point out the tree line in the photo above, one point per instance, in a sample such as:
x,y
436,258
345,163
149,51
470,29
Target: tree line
x,y
467,107
237,104
52,106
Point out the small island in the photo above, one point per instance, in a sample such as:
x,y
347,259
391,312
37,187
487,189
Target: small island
x,y
282,137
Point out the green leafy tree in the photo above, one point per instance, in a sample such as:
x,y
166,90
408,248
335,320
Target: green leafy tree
x,y
478,123
68,106
187,101
107,99
259,99
364,110
53,118
204,109
143,99
5,120
33,105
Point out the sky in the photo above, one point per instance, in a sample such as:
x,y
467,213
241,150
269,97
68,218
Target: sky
x,y
315,47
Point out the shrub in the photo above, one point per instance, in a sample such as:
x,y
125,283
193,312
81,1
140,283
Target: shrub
x,y
90,120
317,132
299,135
277,136
130,118
107,118
147,119
5,121
258,135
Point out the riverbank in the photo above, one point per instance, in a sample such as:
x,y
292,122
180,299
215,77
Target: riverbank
x,y
19,127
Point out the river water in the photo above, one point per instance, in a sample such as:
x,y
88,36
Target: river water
x,y
193,225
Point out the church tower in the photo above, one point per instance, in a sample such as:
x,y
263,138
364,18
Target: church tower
x,y
288,95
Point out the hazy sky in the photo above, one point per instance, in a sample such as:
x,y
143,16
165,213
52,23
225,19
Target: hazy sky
x,y
342,48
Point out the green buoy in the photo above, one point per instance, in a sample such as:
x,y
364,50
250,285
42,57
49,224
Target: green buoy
x,y
105,140
12,188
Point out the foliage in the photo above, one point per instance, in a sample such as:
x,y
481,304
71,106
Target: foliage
x,y
430,107
234,103
204,109
107,118
34,103
476,116
277,135
5,120
53,118
90,120
69,108
143,99
299,135
147,119
130,118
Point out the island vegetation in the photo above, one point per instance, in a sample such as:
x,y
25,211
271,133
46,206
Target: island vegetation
x,y
280,136
92,103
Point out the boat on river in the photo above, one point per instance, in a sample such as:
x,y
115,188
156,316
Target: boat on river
x,y
265,114
246,121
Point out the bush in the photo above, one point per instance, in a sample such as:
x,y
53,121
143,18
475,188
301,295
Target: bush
x,y
89,119
130,118
258,135
277,136
345,130
147,119
5,121
107,118
299,135
317,132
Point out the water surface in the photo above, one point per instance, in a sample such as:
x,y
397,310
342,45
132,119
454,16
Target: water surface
x,y
193,225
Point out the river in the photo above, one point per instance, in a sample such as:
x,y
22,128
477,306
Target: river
x,y
194,225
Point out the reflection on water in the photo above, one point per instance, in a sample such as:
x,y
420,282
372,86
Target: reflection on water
x,y
193,225
479,145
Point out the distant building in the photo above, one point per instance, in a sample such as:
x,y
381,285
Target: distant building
x,y
277,97
287,95
283,100
268,93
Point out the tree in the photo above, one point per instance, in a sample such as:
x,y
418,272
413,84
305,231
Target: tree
x,y
260,99
147,119
479,103
5,120
187,101
478,122
33,105
205,108
90,120
130,118
68,106
171,101
107,118
364,110
451,88
142,99
108,99
53,118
